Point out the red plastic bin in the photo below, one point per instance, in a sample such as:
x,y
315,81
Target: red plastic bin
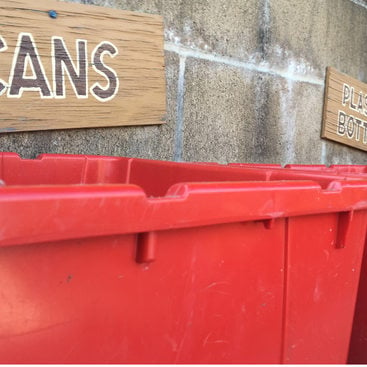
x,y
358,342
121,260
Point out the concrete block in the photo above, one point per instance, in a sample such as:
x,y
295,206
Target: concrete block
x,y
233,115
298,112
154,141
313,34
217,26
218,113
335,153
230,28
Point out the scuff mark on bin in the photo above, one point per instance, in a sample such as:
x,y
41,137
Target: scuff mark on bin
x,y
205,341
317,292
214,284
220,342
172,342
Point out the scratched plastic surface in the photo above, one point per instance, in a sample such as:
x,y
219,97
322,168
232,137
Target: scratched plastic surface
x,y
358,342
121,260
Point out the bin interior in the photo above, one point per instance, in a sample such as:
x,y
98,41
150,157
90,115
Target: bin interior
x,y
154,177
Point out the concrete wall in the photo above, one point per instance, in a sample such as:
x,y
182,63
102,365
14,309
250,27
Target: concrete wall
x,y
245,83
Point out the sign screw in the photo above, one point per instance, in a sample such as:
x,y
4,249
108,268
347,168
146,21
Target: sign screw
x,y
52,14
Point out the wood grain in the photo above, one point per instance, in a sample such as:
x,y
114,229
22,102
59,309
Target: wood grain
x,y
342,122
139,66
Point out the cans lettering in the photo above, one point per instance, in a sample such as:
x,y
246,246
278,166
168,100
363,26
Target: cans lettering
x,y
27,72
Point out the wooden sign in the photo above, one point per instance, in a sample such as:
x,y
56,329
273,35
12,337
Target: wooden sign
x,y
345,110
65,65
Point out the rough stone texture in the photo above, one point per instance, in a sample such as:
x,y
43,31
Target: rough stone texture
x,y
222,27
265,130
319,33
336,153
218,113
155,141
298,111
236,116
230,28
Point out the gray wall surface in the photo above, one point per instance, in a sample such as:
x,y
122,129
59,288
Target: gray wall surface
x,y
245,83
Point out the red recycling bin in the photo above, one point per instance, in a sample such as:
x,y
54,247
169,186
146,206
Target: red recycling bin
x,y
122,260
358,341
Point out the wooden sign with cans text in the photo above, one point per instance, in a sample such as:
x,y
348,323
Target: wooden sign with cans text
x,y
66,65
345,110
